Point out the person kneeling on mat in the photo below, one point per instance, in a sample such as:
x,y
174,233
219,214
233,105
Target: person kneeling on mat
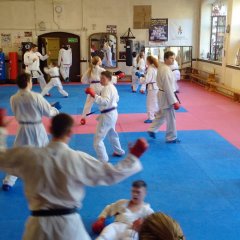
x,y
128,214
54,179
107,119
53,71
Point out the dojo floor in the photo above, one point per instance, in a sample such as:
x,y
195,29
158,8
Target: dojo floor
x,y
197,181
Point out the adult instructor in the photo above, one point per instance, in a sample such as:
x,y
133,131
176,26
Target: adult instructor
x,y
54,179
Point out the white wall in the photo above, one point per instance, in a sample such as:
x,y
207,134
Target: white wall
x,y
84,17
227,75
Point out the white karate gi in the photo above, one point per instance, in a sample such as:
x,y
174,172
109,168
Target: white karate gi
x,y
54,177
29,108
54,81
152,91
177,74
134,77
107,60
142,68
65,62
121,229
94,77
166,99
33,66
107,122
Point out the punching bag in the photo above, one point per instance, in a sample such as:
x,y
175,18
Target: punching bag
x,y
129,47
13,65
2,67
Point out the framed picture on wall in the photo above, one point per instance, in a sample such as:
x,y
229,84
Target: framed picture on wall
x,y
158,30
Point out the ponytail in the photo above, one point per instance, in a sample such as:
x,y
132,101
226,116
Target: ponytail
x,y
93,64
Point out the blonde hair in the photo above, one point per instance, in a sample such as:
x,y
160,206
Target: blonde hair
x,y
153,61
93,64
159,226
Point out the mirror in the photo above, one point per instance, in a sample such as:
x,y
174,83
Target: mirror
x,y
104,45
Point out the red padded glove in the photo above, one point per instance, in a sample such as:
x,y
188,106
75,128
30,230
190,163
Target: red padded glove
x,y
137,224
139,147
83,121
3,113
98,226
176,105
90,91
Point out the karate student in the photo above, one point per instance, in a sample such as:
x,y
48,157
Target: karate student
x,y
55,177
134,70
167,100
65,61
92,77
128,214
107,60
141,67
175,68
53,72
32,63
152,89
29,108
159,226
107,102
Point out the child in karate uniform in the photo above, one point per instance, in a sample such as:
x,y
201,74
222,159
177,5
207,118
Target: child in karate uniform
x,y
107,102
152,89
141,67
128,214
134,70
53,71
92,77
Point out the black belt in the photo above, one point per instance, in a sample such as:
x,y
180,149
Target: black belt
x,y
95,82
161,90
30,123
108,110
177,97
54,76
53,212
35,71
175,70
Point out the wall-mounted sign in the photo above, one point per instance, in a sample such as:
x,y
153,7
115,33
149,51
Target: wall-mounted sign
x,y
72,40
158,30
112,29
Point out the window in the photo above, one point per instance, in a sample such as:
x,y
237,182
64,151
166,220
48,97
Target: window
x,y
218,28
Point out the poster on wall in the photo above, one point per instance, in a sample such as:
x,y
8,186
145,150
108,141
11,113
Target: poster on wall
x,y
158,30
180,31
112,29
6,40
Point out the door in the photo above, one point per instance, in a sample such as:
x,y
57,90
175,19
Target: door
x,y
53,42
52,46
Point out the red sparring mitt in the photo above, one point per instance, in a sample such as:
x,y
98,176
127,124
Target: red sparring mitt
x,y
90,91
121,75
137,224
176,105
98,226
139,147
83,121
3,113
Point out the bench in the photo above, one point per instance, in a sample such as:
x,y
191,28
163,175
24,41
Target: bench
x,y
202,77
214,86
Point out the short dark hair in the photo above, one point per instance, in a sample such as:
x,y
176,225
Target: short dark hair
x,y
134,54
107,74
139,184
168,54
23,79
33,45
61,124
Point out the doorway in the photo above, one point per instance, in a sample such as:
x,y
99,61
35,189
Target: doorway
x,y
52,42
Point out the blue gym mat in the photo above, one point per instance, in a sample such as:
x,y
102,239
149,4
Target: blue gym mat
x,y
129,102
197,182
